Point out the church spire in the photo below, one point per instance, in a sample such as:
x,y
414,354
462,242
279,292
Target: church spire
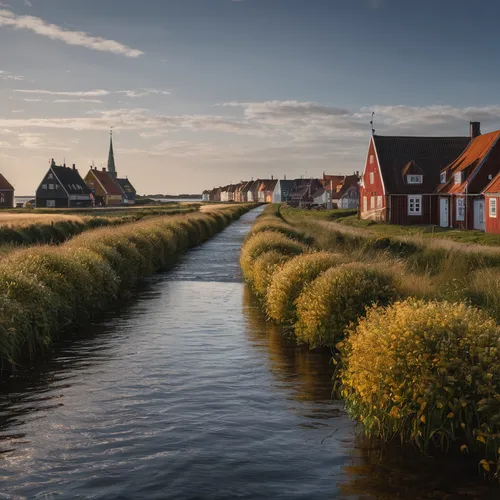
x,y
111,156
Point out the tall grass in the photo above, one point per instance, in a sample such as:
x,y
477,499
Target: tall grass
x,y
45,290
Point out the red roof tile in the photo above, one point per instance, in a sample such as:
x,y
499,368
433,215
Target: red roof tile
x,y
5,184
469,160
107,182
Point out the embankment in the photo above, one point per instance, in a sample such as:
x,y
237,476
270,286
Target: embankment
x,y
417,360
48,290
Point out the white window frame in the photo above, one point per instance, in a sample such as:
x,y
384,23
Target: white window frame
x,y
44,186
51,186
365,204
373,202
443,177
458,178
492,204
50,176
460,209
414,179
372,159
379,201
415,205
51,203
372,178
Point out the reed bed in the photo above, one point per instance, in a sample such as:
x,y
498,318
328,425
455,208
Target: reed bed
x,y
32,229
46,290
412,324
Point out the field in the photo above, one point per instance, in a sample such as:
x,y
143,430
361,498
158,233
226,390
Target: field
x,y
412,323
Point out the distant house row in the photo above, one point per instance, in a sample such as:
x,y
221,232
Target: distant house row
x,y
446,181
336,191
63,187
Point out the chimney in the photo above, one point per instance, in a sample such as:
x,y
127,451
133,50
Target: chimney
x,y
74,166
284,177
272,178
104,169
475,129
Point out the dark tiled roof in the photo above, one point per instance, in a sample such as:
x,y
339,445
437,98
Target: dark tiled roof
x,y
70,179
5,184
127,187
107,182
286,184
431,154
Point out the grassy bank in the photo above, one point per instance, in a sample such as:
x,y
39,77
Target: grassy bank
x,y
47,290
57,227
412,325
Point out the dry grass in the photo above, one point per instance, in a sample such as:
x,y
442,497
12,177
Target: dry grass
x,y
23,220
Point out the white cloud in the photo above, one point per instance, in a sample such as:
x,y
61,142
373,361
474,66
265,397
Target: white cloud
x,y
143,92
7,75
54,32
38,141
30,99
28,3
67,101
88,93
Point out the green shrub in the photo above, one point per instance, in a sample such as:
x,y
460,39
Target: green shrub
x,y
289,281
337,298
264,242
428,373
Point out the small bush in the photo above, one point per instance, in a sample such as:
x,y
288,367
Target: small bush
x,y
337,298
428,373
264,268
289,281
264,242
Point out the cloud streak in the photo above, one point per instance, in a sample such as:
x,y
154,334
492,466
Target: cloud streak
x,y
54,32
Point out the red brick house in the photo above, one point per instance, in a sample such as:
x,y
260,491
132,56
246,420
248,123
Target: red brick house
x,y
461,199
401,175
492,199
6,193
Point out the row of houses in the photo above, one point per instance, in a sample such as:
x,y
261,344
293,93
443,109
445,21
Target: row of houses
x,y
63,187
331,191
453,182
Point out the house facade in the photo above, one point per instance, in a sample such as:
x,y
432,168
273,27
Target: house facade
x,y
63,187
6,193
129,194
105,189
463,182
283,191
401,175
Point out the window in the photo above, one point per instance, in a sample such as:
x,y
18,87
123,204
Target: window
x,y
372,202
414,205
365,204
493,207
443,177
50,176
458,178
460,209
372,177
44,186
372,159
414,179
379,201
51,203
57,186
51,186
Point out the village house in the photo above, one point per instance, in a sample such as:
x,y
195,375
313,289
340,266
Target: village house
x,y
244,191
401,176
62,187
6,193
303,191
266,190
106,191
461,198
224,194
205,196
346,195
282,191
129,194
253,191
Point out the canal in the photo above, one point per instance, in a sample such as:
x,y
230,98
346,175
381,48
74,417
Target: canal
x,y
188,393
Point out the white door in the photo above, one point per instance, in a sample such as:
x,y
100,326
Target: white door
x,y
479,214
444,220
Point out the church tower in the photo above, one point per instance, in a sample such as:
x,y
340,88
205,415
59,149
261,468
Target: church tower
x,y
111,157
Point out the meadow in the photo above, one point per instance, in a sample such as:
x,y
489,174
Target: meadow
x,y
412,324
48,290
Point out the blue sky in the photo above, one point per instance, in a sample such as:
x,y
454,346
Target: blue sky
x,y
207,92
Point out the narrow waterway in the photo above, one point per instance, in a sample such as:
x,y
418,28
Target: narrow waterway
x,y
188,393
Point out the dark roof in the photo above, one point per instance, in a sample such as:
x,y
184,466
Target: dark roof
x,y
286,184
70,180
107,182
5,185
268,184
127,188
431,154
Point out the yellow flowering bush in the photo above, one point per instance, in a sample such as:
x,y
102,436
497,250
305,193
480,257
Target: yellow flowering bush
x,y
427,372
288,282
264,242
264,267
338,297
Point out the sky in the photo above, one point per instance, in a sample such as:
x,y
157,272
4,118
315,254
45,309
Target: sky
x,y
202,93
